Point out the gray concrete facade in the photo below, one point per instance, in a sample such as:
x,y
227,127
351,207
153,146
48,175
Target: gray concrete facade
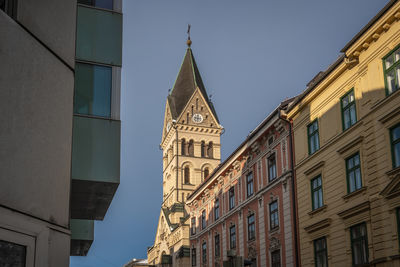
x,y
37,51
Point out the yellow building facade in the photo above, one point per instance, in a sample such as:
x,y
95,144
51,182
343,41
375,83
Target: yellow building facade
x,y
346,132
191,150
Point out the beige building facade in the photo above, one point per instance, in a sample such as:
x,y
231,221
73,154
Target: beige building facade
x,y
191,150
346,132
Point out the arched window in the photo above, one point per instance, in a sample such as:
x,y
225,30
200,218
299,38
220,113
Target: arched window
x,y
186,174
187,118
210,153
206,173
183,147
191,148
203,149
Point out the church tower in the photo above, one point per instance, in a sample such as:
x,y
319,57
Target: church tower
x,y
191,150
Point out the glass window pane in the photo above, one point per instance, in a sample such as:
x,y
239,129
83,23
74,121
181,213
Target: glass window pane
x,y
396,133
351,182
396,151
391,83
92,90
356,160
351,96
353,114
397,55
107,4
389,61
346,117
12,255
358,179
345,101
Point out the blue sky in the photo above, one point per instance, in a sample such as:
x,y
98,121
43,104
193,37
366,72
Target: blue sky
x,y
251,54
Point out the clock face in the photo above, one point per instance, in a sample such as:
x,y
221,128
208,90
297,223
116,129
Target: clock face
x,y
197,118
168,126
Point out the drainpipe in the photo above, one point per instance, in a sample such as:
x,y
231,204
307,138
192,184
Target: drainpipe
x,y
294,204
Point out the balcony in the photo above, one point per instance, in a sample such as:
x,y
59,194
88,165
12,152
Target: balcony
x,y
95,169
82,234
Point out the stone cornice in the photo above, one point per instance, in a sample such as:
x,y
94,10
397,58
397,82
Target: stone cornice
x,y
360,208
318,225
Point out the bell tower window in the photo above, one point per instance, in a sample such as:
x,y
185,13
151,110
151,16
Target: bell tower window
x,y
191,148
183,147
186,174
210,153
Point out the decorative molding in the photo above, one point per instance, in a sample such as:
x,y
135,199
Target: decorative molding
x,y
391,114
315,167
274,243
318,225
350,144
355,210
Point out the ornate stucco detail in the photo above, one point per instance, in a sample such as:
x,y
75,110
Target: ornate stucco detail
x,y
274,243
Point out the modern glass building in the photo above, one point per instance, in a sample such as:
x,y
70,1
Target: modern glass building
x,y
95,166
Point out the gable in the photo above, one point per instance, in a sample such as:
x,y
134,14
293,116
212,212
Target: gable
x,y
167,119
198,105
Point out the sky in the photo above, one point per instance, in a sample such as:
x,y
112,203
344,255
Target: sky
x,y
251,55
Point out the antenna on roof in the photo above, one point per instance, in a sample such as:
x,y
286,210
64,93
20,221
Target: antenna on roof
x,y
188,42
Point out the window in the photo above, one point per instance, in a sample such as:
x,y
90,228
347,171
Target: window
x,y
107,4
10,7
191,148
216,209
276,258
12,254
271,167
203,149
316,192
251,228
210,153
273,215
217,246
320,252
203,219
193,229
186,173
204,252
270,140
353,171
395,143
231,198
183,147
206,173
249,181
359,244
193,257
348,105
313,137
391,65
93,90
232,237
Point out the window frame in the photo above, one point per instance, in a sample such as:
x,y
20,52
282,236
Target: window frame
x,y
11,8
204,252
276,252
274,216
231,197
391,68
250,184
186,175
216,209
317,252
203,220
194,263
217,246
270,179
362,239
251,227
353,169
232,243
314,190
392,146
193,226
314,133
348,107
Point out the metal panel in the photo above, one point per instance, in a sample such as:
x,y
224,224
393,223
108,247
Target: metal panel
x,y
82,235
99,36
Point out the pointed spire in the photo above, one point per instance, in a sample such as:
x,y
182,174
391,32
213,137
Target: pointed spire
x,y
185,85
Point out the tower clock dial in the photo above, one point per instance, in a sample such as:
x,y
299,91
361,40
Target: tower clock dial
x,y
197,118
168,126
